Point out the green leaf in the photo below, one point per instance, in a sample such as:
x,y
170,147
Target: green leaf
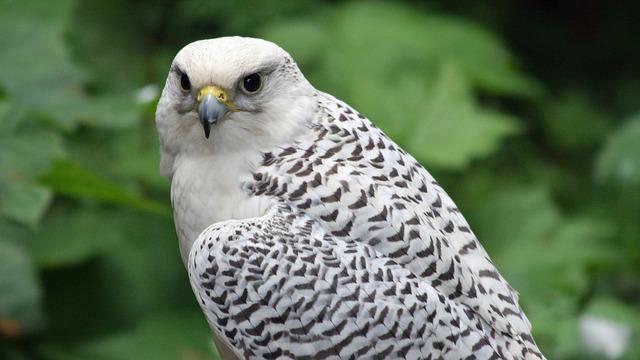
x,y
134,272
621,313
113,111
146,273
480,54
420,87
23,202
69,179
20,296
555,325
144,142
57,12
125,58
619,160
182,335
545,255
70,236
306,44
394,35
454,130
7,122
572,121
530,210
37,70
615,310
536,226
27,154
24,155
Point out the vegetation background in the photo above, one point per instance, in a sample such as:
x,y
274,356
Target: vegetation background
x,y
528,112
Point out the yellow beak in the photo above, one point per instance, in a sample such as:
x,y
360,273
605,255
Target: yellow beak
x,y
217,93
213,103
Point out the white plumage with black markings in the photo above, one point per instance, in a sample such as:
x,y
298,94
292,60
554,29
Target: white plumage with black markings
x,y
308,233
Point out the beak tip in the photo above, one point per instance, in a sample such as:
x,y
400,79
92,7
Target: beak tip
x,y
207,128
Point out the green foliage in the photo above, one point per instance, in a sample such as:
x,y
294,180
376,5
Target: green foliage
x,y
161,337
21,295
71,180
543,164
619,161
425,95
583,124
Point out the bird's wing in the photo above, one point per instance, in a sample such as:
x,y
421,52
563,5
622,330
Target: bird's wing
x,y
280,286
361,186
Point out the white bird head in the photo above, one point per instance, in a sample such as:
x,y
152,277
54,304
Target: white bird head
x,y
229,94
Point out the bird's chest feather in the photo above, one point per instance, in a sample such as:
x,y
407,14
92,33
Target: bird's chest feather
x,y
206,190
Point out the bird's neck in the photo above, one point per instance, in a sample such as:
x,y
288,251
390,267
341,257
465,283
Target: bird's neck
x,y
207,189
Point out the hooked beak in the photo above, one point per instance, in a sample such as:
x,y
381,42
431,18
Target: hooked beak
x,y
213,103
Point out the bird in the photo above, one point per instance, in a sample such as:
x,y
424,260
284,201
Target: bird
x,y
307,233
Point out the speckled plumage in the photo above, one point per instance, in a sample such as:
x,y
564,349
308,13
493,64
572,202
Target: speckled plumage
x,y
360,254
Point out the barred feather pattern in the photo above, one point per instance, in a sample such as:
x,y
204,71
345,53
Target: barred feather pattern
x,y
362,256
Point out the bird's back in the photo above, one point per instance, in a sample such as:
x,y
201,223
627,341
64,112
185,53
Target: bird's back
x,y
280,286
360,186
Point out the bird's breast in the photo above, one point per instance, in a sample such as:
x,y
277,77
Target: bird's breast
x,y
207,190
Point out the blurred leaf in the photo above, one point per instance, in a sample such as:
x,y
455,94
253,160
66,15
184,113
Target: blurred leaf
x,y
37,70
122,46
28,154
572,121
454,126
81,306
114,111
255,13
620,313
55,12
22,156
615,310
306,44
536,226
176,336
20,296
71,180
480,54
7,121
420,87
555,326
147,274
143,142
544,255
23,202
530,210
389,33
10,351
619,160
69,236
137,273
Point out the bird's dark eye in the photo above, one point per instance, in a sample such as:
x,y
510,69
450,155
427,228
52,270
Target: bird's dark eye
x,y
185,83
252,83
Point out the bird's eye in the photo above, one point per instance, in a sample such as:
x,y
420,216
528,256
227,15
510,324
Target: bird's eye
x,y
185,83
252,83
